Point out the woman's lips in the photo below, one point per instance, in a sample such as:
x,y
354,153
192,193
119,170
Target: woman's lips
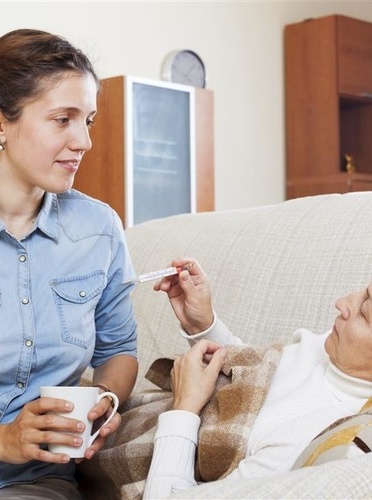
x,y
70,165
334,329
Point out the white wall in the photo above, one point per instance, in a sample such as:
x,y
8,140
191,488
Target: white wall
x,y
242,46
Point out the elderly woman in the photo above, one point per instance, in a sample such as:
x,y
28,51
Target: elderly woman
x,y
320,378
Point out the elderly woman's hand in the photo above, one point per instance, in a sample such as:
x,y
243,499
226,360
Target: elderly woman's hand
x,y
194,375
189,295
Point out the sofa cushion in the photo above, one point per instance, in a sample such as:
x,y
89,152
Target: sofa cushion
x,y
348,437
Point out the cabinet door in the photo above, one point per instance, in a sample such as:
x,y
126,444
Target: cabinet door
x,y
354,39
160,138
312,104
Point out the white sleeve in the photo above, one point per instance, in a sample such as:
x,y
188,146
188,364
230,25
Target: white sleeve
x,y
173,460
217,332
176,438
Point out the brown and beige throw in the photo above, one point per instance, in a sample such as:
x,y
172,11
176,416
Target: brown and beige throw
x,y
119,471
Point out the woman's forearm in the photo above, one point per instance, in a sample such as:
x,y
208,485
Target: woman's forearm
x,y
118,374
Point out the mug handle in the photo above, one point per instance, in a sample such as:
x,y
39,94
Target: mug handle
x,y
114,409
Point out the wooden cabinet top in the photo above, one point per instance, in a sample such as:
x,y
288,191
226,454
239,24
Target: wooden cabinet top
x,y
338,47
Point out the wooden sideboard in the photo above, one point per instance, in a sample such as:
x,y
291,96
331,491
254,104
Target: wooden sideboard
x,y
328,106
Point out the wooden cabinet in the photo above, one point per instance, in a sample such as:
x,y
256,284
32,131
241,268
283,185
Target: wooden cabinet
x,y
103,172
328,105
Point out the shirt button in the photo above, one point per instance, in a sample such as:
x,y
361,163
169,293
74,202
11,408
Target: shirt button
x,y
24,301
22,258
20,385
28,343
82,294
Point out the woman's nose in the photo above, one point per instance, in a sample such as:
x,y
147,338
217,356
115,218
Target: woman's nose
x,y
81,141
343,306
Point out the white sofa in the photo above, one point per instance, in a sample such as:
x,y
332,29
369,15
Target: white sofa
x,y
272,269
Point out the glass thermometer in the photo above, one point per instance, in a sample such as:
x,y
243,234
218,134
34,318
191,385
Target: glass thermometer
x,y
161,273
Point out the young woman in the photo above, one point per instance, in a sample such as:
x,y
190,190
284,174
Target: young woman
x,y
64,262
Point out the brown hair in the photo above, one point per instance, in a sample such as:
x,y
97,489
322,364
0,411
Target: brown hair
x,y
30,61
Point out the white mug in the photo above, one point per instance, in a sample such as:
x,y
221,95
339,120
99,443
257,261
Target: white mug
x,y
83,399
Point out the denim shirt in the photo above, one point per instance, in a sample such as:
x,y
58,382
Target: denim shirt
x,y
64,305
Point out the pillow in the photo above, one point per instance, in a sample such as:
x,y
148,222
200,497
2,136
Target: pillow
x,y
346,438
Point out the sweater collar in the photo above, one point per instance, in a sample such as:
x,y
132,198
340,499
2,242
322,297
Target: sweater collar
x,y
343,385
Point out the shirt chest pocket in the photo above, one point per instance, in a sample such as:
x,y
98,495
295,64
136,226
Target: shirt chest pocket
x,y
76,299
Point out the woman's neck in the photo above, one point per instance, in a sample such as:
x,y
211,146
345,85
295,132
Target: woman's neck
x,y
19,225
18,216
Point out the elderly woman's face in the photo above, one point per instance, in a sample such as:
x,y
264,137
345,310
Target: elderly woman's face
x,y
349,345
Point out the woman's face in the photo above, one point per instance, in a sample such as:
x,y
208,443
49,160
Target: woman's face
x,y
44,147
349,345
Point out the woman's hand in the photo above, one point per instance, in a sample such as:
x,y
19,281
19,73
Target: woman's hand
x,y
21,440
194,375
99,413
34,426
189,295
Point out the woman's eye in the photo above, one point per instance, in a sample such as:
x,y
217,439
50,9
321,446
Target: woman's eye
x,y
90,122
63,121
361,310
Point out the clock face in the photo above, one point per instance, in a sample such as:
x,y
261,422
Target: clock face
x,y
185,67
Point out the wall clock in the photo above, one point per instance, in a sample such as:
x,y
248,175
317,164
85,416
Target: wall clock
x,y
185,67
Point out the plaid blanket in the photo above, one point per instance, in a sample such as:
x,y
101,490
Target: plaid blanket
x,y
119,470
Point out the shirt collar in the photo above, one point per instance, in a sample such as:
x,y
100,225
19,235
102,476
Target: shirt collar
x,y
48,218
